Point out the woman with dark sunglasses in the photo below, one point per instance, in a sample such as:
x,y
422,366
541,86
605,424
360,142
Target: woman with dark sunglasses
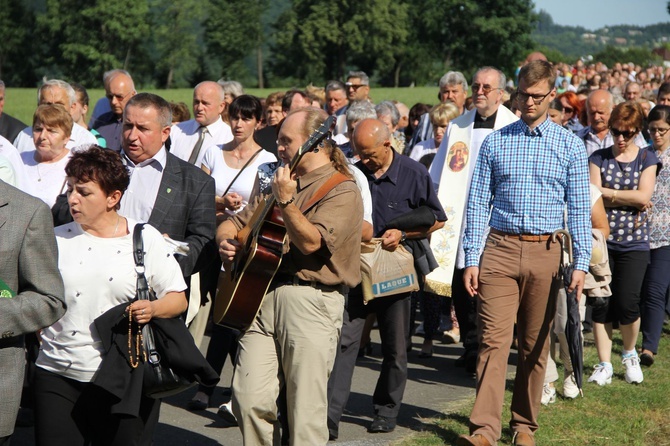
x,y
626,175
657,279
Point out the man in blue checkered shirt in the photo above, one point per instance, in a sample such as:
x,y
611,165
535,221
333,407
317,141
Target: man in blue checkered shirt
x,y
525,175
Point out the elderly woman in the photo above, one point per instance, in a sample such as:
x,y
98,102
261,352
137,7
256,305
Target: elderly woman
x,y
440,115
626,175
45,166
98,269
657,279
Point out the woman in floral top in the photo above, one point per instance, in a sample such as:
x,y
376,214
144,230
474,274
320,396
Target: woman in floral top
x,y
657,279
625,174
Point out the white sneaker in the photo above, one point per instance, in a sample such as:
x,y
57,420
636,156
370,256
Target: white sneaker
x,y
226,412
548,395
452,337
633,373
602,374
570,389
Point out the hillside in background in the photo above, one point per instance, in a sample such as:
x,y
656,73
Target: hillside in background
x,y
576,41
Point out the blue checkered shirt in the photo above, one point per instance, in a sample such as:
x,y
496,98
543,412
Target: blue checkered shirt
x,y
521,184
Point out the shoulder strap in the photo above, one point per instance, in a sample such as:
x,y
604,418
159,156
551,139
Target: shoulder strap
x,y
138,244
335,180
241,170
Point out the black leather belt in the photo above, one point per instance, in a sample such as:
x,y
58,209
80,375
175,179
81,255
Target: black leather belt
x,y
286,279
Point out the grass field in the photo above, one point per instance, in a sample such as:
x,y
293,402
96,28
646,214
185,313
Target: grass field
x,y
21,102
619,414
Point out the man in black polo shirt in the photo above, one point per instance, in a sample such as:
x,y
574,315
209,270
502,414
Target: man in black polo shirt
x,y
398,186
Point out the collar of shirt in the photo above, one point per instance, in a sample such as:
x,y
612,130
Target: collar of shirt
x,y
213,129
157,161
539,130
391,174
310,177
485,123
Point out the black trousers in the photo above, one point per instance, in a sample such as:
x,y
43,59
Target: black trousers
x,y
393,321
69,412
466,311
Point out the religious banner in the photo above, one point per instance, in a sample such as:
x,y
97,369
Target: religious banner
x,y
452,192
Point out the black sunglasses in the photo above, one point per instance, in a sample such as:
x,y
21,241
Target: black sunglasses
x,y
627,134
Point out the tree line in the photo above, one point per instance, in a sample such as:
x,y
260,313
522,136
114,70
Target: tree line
x,y
261,43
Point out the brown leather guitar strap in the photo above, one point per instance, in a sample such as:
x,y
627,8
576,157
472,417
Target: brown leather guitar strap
x,y
336,179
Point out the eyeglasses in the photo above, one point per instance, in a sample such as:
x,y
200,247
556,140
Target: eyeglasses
x,y
537,98
354,87
661,132
627,134
568,109
119,97
486,89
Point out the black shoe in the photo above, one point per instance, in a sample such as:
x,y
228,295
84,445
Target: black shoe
x,y
460,361
332,436
197,405
646,359
382,425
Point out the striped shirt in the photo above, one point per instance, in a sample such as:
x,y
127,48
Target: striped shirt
x,y
522,182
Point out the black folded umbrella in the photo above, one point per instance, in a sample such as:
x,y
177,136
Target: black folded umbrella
x,y
421,216
573,326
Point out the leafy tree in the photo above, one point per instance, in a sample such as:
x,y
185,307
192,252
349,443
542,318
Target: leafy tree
x,y
16,22
466,34
176,38
86,38
232,32
318,39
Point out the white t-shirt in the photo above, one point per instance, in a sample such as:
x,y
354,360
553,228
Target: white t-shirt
x,y
99,274
45,180
224,174
423,148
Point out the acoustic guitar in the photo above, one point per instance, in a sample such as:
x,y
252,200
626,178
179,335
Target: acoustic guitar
x,y
243,286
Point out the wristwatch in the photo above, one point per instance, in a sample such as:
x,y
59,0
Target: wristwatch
x,y
403,236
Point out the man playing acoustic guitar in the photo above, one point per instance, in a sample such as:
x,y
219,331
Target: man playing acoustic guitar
x,y
294,337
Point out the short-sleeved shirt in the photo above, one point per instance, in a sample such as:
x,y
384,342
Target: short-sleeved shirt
x,y
99,274
405,186
628,226
339,219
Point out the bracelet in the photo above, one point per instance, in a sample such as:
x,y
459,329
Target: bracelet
x,y
283,204
616,191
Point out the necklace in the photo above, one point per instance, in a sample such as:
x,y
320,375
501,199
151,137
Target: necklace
x,y
116,228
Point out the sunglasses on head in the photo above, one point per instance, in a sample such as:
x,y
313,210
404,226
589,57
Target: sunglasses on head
x,y
627,134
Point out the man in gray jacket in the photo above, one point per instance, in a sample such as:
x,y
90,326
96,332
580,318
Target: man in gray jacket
x,y
31,290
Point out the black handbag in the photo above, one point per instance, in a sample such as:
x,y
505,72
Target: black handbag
x,y
160,380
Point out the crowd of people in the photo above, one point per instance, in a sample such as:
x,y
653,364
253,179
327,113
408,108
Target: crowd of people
x,y
473,187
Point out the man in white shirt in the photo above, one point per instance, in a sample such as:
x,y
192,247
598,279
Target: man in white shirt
x,y
208,104
56,91
171,195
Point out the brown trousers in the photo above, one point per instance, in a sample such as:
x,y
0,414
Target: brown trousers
x,y
518,281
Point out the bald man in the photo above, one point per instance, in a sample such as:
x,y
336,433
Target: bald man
x,y
119,88
399,186
208,104
596,136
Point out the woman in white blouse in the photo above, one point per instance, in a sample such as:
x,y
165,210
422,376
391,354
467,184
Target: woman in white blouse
x,y
225,163
98,269
45,166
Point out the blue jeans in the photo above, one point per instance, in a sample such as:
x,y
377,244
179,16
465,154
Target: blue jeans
x,y
654,298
